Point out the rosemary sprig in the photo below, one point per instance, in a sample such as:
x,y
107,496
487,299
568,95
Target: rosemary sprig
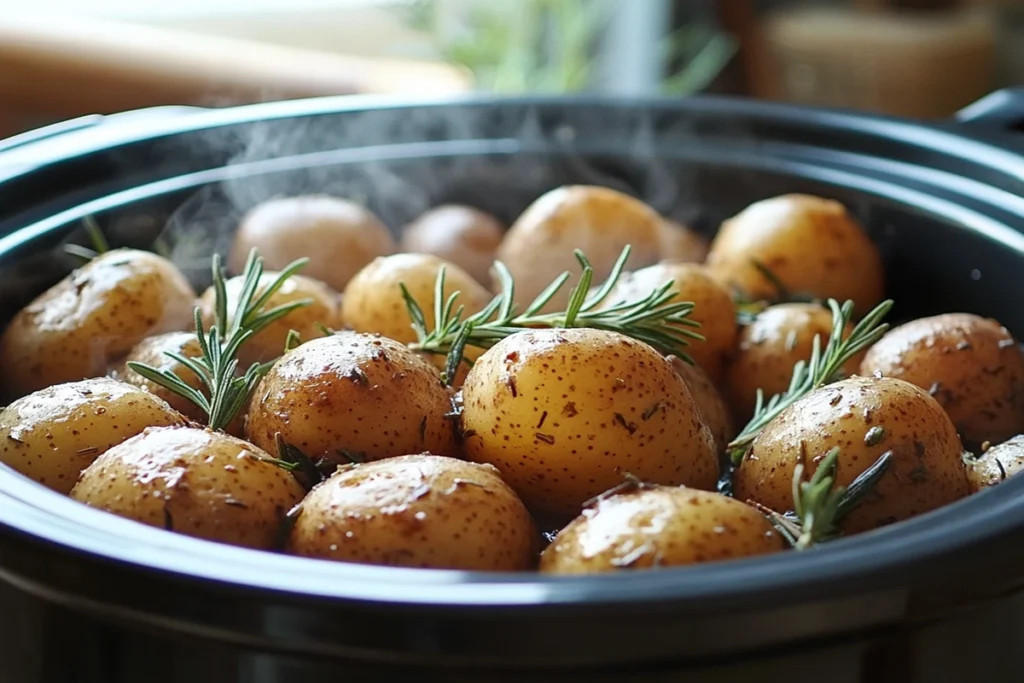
x,y
226,390
819,505
823,367
655,319
97,239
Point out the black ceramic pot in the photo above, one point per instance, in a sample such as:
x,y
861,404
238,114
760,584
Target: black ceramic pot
x,y
85,596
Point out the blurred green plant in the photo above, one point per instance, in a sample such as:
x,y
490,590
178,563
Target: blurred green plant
x,y
551,45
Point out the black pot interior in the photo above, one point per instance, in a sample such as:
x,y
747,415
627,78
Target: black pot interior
x,y
947,247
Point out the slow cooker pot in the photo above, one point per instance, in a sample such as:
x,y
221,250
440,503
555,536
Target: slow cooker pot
x,y
85,596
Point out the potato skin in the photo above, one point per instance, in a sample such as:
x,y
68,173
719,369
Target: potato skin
x,y
680,244
417,511
925,472
714,308
813,245
971,365
996,464
561,413
708,399
459,234
659,526
51,435
600,221
194,481
373,300
97,313
352,394
337,236
770,346
269,342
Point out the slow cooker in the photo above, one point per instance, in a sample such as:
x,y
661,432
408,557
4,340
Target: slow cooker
x,y
85,596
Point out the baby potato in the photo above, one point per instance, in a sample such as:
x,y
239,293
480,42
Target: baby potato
x,y
971,365
417,511
268,343
865,417
373,300
194,481
996,464
680,243
600,221
352,396
713,308
51,435
812,245
770,346
337,236
459,234
659,526
152,351
97,313
565,413
708,399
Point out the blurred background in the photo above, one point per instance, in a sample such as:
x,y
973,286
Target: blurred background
x,y
919,58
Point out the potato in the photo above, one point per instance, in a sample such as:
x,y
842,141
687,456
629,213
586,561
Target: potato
x,y
865,417
194,481
94,315
50,436
417,511
996,464
710,402
373,300
462,235
971,365
268,343
813,245
337,236
564,414
682,244
600,221
659,526
352,396
714,308
153,352
770,346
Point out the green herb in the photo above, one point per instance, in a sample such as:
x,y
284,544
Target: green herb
x,y
217,366
655,319
819,505
96,238
823,367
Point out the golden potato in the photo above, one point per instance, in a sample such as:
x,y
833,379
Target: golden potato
x,y
194,481
152,351
659,526
770,346
813,245
865,417
459,234
680,243
996,464
417,511
352,396
971,365
268,343
94,315
50,436
713,308
373,300
563,414
600,221
708,399
337,236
